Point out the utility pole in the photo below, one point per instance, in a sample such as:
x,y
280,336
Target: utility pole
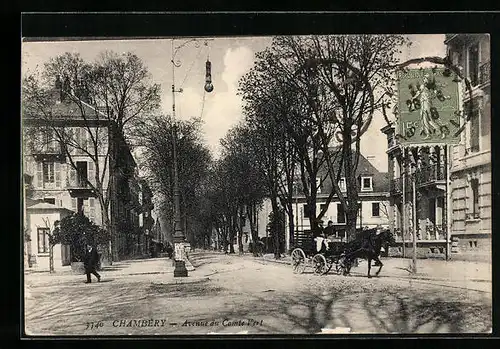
x,y
180,265
403,205
179,236
414,194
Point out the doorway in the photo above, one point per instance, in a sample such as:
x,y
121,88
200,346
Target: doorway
x,y
81,173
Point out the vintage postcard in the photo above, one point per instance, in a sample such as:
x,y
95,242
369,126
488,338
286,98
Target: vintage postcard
x,y
313,184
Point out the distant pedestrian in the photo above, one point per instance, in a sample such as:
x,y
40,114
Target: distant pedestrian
x,y
90,262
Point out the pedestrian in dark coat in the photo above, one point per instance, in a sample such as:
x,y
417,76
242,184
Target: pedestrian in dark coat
x,y
90,263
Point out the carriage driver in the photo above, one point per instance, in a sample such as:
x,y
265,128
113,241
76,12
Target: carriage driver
x,y
320,237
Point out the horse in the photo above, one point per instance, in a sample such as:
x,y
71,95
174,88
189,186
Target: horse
x,y
367,245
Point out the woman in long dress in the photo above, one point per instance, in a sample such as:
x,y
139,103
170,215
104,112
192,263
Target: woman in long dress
x,y
425,94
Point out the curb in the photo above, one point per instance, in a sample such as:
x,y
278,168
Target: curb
x,y
183,280
277,261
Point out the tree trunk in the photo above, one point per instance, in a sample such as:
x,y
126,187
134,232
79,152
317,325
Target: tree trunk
x,y
240,226
251,213
291,226
275,229
51,258
107,225
231,235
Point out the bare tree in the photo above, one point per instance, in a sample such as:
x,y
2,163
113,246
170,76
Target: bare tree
x,y
106,95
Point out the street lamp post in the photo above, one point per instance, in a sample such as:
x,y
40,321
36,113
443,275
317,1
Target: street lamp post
x,y
179,236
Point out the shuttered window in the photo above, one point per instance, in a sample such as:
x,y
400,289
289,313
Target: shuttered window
x,y
48,172
57,169
91,174
72,176
39,175
43,240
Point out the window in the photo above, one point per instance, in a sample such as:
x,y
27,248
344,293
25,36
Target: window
x,y
322,206
307,211
48,172
474,130
50,200
474,184
473,64
318,185
375,209
342,184
340,214
366,184
43,240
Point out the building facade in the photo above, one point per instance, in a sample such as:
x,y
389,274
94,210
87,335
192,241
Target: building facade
x,y
418,200
443,192
69,181
373,192
146,221
470,170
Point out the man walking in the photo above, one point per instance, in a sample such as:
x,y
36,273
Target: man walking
x,y
90,263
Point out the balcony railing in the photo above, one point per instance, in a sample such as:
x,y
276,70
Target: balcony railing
x,y
484,72
431,173
472,216
77,183
396,185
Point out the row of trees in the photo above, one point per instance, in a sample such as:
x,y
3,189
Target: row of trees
x,y
303,95
307,102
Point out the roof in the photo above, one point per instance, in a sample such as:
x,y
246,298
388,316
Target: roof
x,y
68,109
47,207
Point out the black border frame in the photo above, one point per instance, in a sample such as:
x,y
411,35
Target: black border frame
x,y
137,25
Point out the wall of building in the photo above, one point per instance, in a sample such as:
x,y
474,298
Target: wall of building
x,y
41,219
365,216
471,234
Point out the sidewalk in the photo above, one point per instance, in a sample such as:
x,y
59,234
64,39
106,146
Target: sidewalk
x,y
427,269
155,270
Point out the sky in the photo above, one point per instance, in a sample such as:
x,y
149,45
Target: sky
x,y
231,58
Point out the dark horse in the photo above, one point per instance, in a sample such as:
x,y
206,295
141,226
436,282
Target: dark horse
x,y
367,245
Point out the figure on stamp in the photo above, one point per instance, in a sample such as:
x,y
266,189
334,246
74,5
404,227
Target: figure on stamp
x,y
422,99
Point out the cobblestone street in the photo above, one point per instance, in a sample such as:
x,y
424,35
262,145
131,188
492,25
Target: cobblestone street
x,y
243,294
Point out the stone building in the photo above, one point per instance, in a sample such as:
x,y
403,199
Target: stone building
x,y
68,182
373,195
452,183
470,170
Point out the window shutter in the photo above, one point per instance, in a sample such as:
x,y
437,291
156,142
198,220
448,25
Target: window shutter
x,y
92,209
39,175
57,170
91,174
72,175
85,207
73,204
78,139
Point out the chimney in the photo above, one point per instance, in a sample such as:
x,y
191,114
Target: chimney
x,y
58,86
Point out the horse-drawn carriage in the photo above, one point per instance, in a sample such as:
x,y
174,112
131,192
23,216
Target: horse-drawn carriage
x,y
367,244
330,254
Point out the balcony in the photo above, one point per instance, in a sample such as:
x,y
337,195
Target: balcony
x,y
80,188
49,154
432,175
484,73
396,185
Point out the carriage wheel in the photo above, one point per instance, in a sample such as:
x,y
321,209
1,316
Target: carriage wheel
x,y
320,266
298,261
